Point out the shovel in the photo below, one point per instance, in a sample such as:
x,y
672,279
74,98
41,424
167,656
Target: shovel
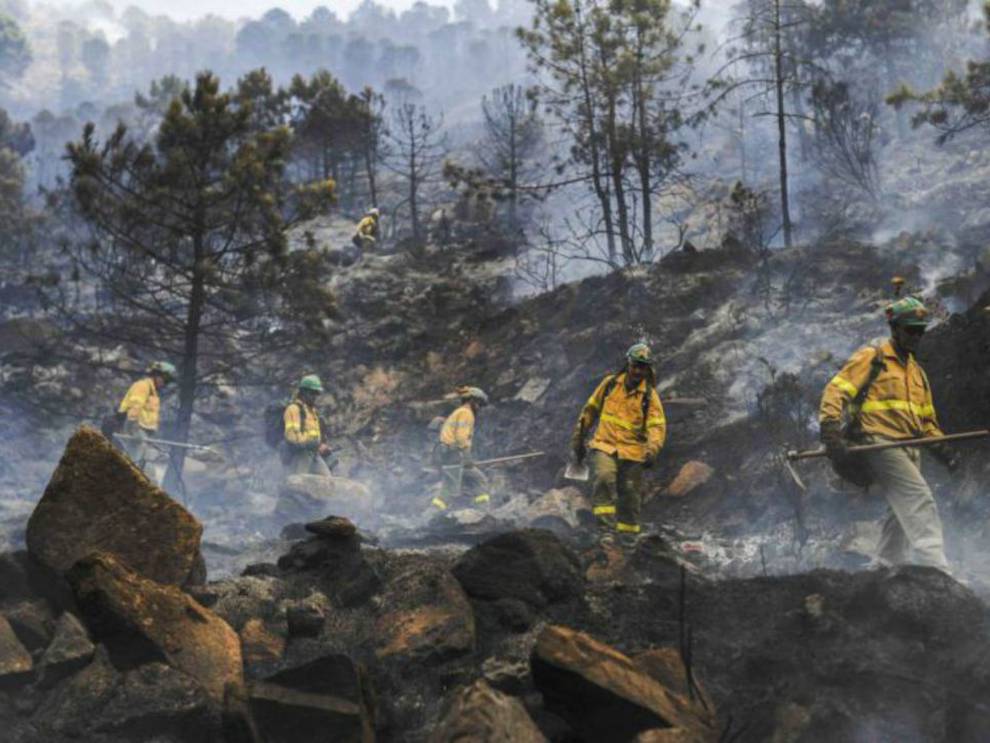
x,y
577,471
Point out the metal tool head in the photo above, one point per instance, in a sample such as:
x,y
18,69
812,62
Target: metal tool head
x,y
577,472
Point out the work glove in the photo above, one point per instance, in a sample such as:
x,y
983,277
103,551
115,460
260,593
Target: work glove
x,y
831,437
651,460
947,456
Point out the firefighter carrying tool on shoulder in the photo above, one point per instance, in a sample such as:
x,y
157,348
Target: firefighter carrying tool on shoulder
x,y
453,453
882,395
629,426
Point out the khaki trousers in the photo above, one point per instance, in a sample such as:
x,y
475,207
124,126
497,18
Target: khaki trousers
x,y
913,523
136,448
616,495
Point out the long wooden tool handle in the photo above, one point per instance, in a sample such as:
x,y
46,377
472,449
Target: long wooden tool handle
x,y
499,460
163,442
929,441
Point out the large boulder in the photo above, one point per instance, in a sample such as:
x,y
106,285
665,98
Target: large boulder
x,y
97,500
532,565
69,651
607,695
327,699
429,620
140,619
309,497
480,714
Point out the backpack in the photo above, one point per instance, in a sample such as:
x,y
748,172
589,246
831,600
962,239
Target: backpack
x,y
112,423
275,421
855,468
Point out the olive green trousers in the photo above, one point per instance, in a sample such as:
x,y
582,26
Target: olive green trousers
x,y
617,492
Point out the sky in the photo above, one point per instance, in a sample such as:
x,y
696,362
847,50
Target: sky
x,y
188,9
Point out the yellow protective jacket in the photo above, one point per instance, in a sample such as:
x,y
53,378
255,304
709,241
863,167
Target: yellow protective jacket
x,y
298,432
142,404
898,404
621,430
368,227
458,429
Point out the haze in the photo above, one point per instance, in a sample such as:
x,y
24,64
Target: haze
x,y
191,9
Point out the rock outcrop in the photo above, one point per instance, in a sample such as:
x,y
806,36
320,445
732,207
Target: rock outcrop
x,y
97,500
142,621
326,699
480,714
608,696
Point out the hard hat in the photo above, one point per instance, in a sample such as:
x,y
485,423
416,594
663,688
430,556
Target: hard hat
x,y
373,212
164,368
910,312
473,393
640,353
312,383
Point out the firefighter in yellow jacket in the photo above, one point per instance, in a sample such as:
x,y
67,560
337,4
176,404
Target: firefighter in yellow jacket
x,y
882,394
304,444
454,453
631,429
142,405
366,234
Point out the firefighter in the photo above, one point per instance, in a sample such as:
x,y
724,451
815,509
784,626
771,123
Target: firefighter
x,y
142,406
366,234
882,394
461,478
305,448
629,426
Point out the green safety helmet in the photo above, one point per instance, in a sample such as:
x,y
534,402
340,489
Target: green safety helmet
x,y
312,383
164,368
640,353
909,312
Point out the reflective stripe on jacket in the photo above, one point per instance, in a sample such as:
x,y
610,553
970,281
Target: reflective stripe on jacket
x,y
142,404
296,431
458,429
898,404
620,420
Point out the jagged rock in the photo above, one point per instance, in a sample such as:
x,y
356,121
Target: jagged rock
x,y
304,620
16,665
333,527
150,702
98,500
324,700
138,617
33,622
238,601
69,651
345,575
480,714
690,477
261,647
605,694
509,676
531,565
430,619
